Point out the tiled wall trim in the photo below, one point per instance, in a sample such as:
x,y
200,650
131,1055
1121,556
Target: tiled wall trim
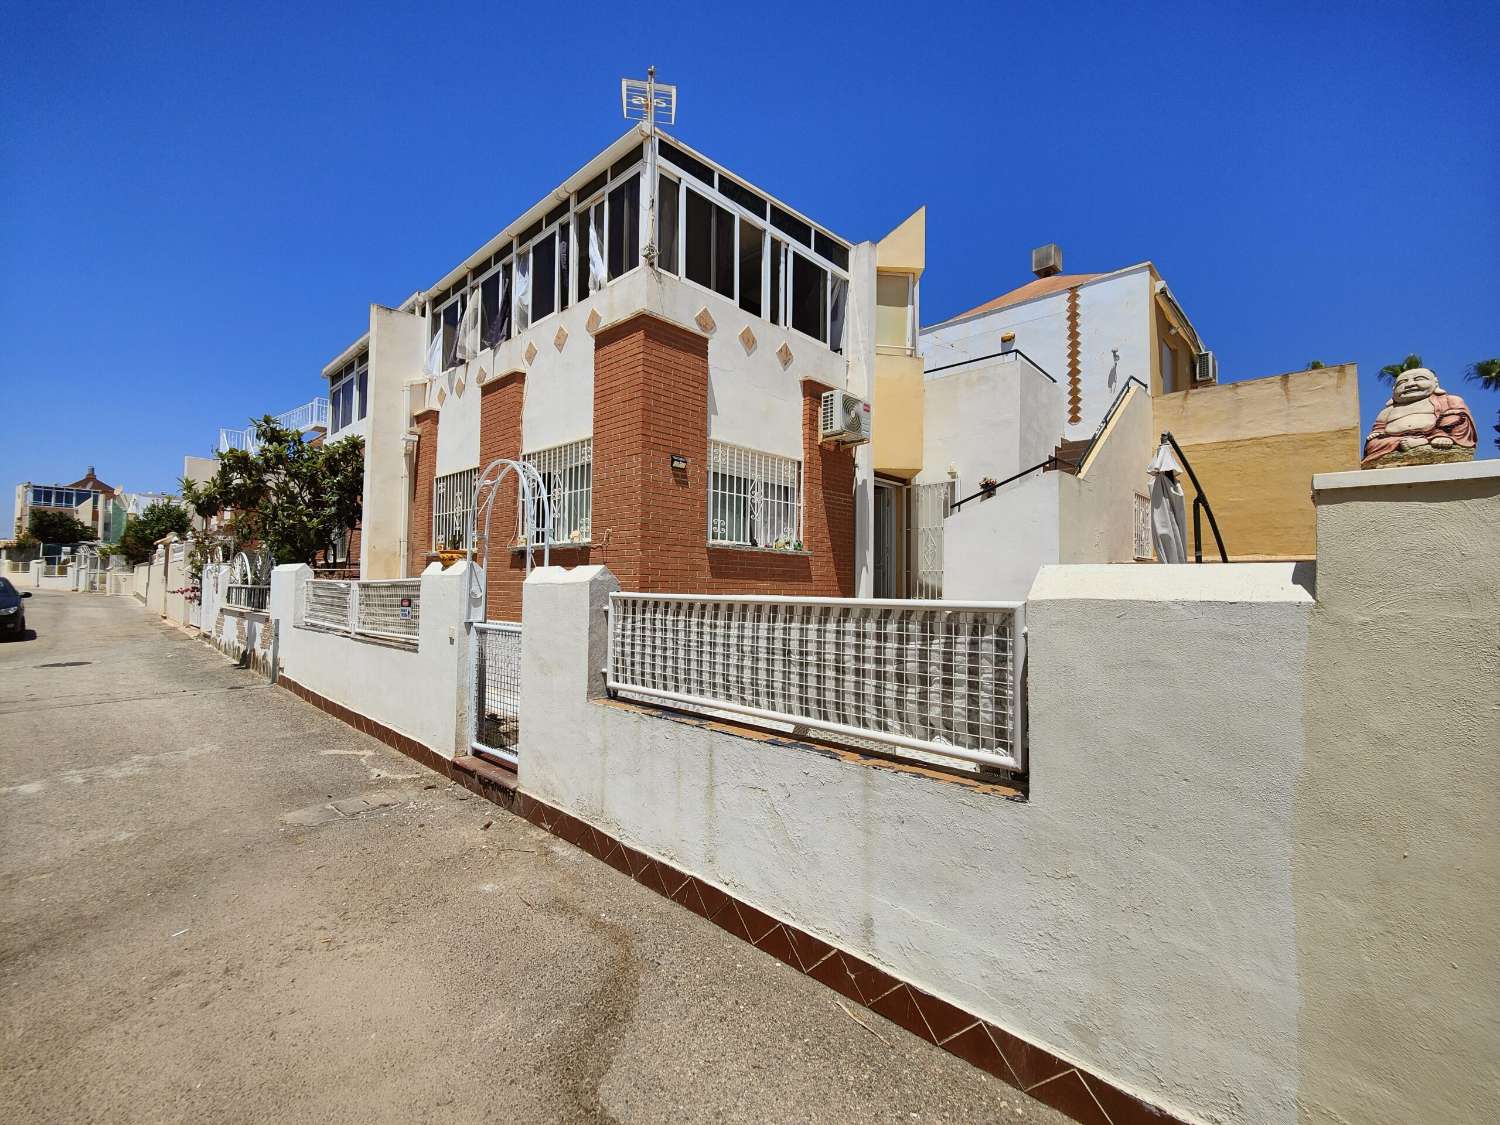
x,y
1080,1094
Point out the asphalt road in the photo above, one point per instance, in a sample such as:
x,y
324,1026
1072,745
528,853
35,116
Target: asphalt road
x,y
189,934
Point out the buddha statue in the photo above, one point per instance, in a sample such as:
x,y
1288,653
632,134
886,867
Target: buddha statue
x,y
1421,425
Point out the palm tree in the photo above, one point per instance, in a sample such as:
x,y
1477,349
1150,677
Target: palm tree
x,y
1391,370
1486,373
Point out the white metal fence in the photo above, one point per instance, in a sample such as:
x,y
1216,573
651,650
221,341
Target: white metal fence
x,y
390,610
496,689
247,597
940,678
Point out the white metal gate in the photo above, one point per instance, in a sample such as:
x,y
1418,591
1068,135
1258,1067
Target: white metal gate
x,y
495,646
495,679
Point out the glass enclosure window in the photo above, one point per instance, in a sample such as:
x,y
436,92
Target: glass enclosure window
x,y
544,278
667,190
809,298
709,245
752,241
624,226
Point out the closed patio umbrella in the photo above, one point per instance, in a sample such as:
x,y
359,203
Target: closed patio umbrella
x,y
1168,521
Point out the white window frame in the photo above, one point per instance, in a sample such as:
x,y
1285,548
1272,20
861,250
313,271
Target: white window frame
x,y
569,465
357,409
782,526
771,237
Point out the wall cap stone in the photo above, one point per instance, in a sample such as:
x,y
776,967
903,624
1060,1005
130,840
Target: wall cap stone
x,y
1407,474
1185,582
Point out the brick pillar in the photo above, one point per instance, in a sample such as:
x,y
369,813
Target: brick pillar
x,y
424,472
650,522
828,503
500,402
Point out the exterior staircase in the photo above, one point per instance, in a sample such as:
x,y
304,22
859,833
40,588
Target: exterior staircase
x,y
1069,455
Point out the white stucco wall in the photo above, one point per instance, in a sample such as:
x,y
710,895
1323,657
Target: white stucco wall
x,y
1114,312
1133,916
420,693
1397,861
397,341
992,549
987,419
1096,520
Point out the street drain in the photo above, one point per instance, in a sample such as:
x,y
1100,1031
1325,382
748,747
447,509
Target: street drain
x,y
66,664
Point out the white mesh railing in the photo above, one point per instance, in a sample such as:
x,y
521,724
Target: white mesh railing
x,y
390,610
938,678
326,604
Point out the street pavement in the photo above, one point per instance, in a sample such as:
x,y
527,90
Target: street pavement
x,y
189,933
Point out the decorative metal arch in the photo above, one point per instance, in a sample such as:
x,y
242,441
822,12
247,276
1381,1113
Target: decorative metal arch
x,y
533,512
251,569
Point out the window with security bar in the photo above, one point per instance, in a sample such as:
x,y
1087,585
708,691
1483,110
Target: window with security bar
x,y
754,498
568,472
452,505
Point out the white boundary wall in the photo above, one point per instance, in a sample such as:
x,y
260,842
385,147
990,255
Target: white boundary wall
x,y
1095,920
422,693
1256,879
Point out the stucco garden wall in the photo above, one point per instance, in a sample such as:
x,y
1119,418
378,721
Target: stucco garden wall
x,y
420,693
1134,916
1396,860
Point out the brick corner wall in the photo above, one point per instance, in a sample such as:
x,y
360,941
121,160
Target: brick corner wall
x,y
424,472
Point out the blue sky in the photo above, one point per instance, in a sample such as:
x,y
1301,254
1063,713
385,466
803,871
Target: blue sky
x,y
200,203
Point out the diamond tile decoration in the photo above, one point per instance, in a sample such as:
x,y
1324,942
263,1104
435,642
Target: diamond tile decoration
x,y
747,339
784,354
705,320
458,387
530,353
593,322
442,395
561,338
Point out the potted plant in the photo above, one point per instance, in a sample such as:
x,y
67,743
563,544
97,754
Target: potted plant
x,y
453,550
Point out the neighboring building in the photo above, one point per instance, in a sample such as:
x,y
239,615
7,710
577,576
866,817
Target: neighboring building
x,y
1086,371
86,499
659,350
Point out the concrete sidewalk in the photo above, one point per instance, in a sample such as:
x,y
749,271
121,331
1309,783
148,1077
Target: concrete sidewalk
x,y
188,932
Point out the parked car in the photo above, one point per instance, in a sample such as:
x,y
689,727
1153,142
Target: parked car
x,y
12,615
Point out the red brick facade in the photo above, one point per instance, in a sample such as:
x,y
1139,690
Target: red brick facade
x,y
650,522
424,470
500,402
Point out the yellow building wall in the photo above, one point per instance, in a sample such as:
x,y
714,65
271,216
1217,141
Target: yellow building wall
x,y
1256,444
896,439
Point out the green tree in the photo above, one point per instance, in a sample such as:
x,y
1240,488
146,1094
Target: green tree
x,y
141,533
291,496
1314,364
58,527
1391,370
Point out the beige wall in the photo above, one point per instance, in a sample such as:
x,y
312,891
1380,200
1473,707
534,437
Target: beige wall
x,y
397,342
1396,863
901,256
1255,445
897,415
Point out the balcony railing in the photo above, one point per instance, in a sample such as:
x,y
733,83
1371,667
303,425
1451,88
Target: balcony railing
x,y
309,416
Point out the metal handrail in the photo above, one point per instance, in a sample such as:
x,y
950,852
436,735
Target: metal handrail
x,y
1200,503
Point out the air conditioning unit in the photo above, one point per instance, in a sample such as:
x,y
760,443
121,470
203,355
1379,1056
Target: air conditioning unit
x,y
845,418
1205,368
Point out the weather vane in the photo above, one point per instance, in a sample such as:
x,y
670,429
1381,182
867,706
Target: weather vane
x,y
652,103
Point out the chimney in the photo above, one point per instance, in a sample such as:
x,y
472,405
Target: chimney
x,y
1046,260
